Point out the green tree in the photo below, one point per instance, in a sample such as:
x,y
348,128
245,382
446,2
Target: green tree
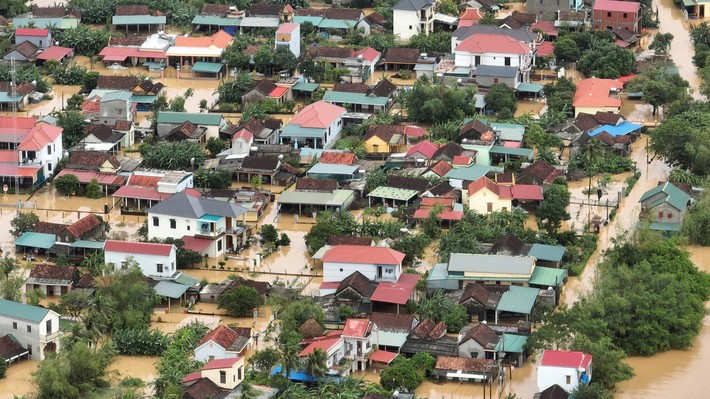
x,y
74,303
213,178
253,111
402,374
413,246
682,141
240,301
11,288
35,296
659,86
12,8
284,241
93,189
74,102
456,317
317,363
128,298
566,49
489,18
257,182
607,61
263,59
696,222
553,209
24,221
215,146
67,184
76,372
73,124
177,104
289,357
559,95
231,91
269,234
284,59
3,367
448,7
329,224
437,42
591,391
295,313
173,155
8,263
438,104
345,311
501,99
661,43
264,360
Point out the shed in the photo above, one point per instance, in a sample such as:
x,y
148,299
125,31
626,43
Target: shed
x,y
544,277
519,300
36,241
212,68
547,255
394,194
170,290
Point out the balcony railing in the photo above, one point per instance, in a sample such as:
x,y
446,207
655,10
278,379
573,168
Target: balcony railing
x,y
50,337
209,232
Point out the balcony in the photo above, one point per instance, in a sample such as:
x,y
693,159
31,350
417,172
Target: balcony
x,y
30,162
50,337
211,233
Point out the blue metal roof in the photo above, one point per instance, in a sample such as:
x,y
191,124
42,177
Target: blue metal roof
x,y
618,130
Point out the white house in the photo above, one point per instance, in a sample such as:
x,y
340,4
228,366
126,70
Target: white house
x,y
225,373
411,17
242,141
289,35
35,328
496,50
31,150
207,226
318,125
223,343
331,343
566,369
375,263
116,106
359,338
155,260
41,38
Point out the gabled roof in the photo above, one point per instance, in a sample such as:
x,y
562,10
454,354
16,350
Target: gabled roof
x,y
92,159
441,168
117,82
183,205
357,328
338,158
323,343
407,183
425,147
351,87
331,52
383,88
52,272
26,48
448,150
412,5
508,242
263,86
482,43
221,363
483,335
368,53
676,197
83,225
10,348
554,392
203,388
310,329
522,35
310,184
318,115
39,136
542,170
392,321
355,254
136,9
397,55
474,129
618,6
482,183
215,9
427,329
21,311
143,248
565,359
397,293
34,32
229,339
594,92
358,282
265,10
258,163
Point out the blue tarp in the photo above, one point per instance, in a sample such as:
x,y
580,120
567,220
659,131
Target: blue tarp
x,y
303,377
619,130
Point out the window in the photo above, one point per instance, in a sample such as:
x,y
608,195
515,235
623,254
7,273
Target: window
x,y
474,355
495,80
341,269
156,221
670,215
188,227
14,325
239,374
660,215
477,60
124,265
172,265
507,61
29,349
29,329
608,14
219,245
410,27
489,207
159,267
505,209
568,379
49,327
173,224
120,111
223,377
49,150
626,15
49,166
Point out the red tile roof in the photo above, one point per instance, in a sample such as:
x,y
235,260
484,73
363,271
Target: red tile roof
x,y
322,343
340,158
83,225
545,49
431,201
471,14
318,115
278,92
355,254
121,53
414,131
358,328
195,244
41,135
461,160
287,28
221,363
85,176
382,356
144,180
527,192
368,53
220,39
594,92
441,168
546,27
480,43
55,53
34,32
140,192
619,6
565,359
222,335
482,183
426,148
143,248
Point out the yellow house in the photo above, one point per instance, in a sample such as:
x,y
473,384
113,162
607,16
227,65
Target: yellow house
x,y
385,139
485,196
597,95
225,373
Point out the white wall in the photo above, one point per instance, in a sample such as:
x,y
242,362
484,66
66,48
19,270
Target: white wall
x,y
333,131
466,59
147,263
233,375
214,350
36,337
548,376
183,227
336,272
402,20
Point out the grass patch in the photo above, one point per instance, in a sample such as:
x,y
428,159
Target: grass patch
x,y
585,246
631,182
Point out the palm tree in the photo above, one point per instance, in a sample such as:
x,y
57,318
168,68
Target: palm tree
x,y
591,153
317,364
289,357
94,263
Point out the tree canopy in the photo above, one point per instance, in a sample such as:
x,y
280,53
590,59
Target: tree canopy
x,y
440,103
683,140
240,301
178,155
660,86
129,297
24,221
501,99
553,209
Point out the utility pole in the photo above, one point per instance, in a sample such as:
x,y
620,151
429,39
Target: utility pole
x,y
13,93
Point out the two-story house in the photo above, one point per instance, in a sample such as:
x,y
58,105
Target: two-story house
x,y
412,17
547,9
495,58
223,343
289,35
35,328
564,368
358,335
155,260
595,95
377,263
30,150
612,14
317,125
116,106
227,374
331,343
42,38
665,206
211,225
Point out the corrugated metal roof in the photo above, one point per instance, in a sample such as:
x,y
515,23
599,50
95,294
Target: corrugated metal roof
x,y
22,311
207,67
36,240
521,152
494,264
138,20
354,98
195,118
305,86
550,253
518,300
398,194
547,277
60,23
88,244
170,290
260,22
333,169
214,20
512,343
339,198
296,131
307,18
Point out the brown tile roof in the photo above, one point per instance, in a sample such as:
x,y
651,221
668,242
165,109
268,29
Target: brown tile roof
x,y
339,158
350,240
392,321
473,130
3,21
215,9
260,286
466,365
126,40
518,20
441,168
83,226
48,12
204,388
310,12
52,272
429,330
350,14
384,132
86,281
187,130
351,88
376,18
135,9
505,178
584,121
441,189
310,329
448,150
606,138
273,123
331,52
27,49
625,139
256,163
49,228
264,10
123,126
509,243
358,282
290,169
476,292
408,183
117,82
223,336
25,88
10,347
309,184
396,55
542,170
554,392
484,335
91,158
383,88
607,118
263,86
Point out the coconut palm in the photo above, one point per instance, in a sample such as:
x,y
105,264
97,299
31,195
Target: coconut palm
x,y
289,357
317,364
591,153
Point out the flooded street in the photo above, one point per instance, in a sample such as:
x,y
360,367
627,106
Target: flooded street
x,y
18,381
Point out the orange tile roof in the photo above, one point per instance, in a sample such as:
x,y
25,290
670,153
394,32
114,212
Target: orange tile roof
x,y
480,43
318,115
594,92
340,158
40,136
220,39
355,254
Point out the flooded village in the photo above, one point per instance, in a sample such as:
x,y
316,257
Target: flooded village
x,y
366,199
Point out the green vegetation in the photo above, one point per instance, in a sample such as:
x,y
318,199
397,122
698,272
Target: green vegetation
x,y
559,95
213,178
84,40
682,140
697,221
553,209
131,342
440,308
67,185
438,42
3,367
501,99
73,124
407,374
176,362
596,53
179,155
660,85
127,298
215,146
93,189
76,372
240,301
438,104
24,221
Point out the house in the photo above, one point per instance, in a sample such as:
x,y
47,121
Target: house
x,y
56,53
400,58
217,226
167,121
137,16
486,196
203,388
19,99
317,125
518,20
41,38
450,211
263,132
354,290
612,14
264,15
11,349
465,369
333,20
412,17
47,17
390,296
358,97
85,229
145,93
218,16
497,58
490,269
265,89
207,50
226,373
270,170
377,263
548,9
358,336
597,95
115,106
36,329
382,140
423,150
337,158
539,173
315,194
241,145
37,150
547,255
154,260
187,131
335,56
430,337
223,343
563,368
212,293
144,188
531,39
288,35
138,50
51,280
665,206
361,65
517,301
332,343
23,52
481,300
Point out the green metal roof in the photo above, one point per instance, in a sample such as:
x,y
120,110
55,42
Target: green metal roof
x,y
210,218
342,97
296,131
339,198
665,226
59,23
196,118
398,194
518,300
88,244
529,87
138,20
521,152
547,276
215,20
170,290
305,86
17,310
187,280
512,343
676,197
143,99
6,98
36,240
549,253
327,23
391,338
299,19
332,169
154,65
207,67
509,131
